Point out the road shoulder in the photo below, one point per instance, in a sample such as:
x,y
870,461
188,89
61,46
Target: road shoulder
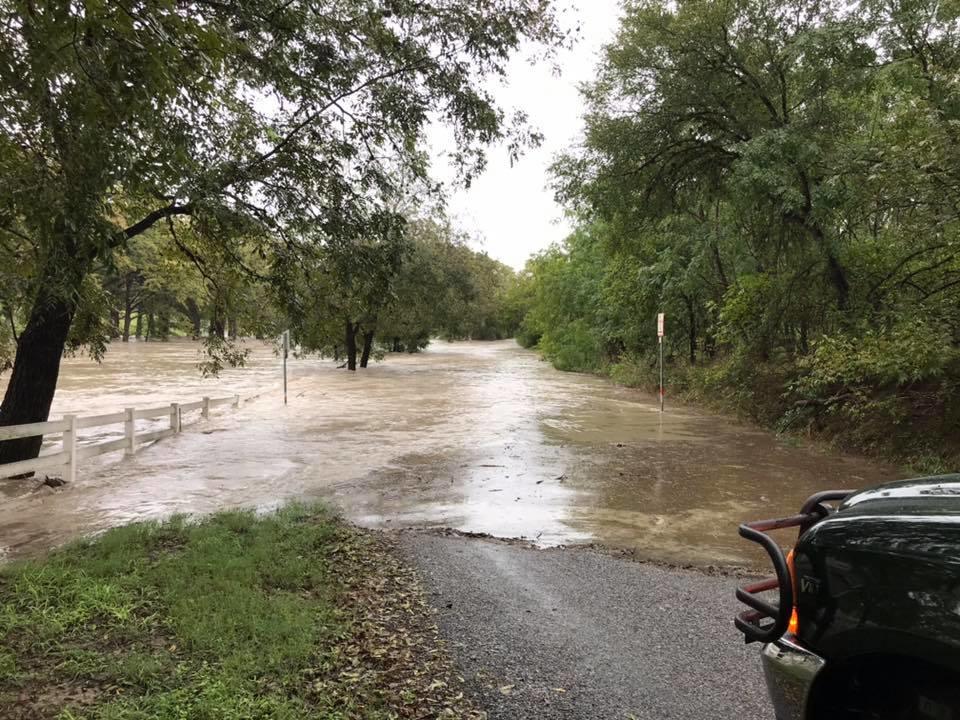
x,y
579,634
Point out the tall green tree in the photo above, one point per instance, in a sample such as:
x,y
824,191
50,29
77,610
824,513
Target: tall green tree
x,y
248,118
780,178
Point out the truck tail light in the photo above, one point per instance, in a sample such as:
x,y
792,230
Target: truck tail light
x,y
793,627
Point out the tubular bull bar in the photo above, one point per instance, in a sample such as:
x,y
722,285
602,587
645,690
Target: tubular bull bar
x,y
763,621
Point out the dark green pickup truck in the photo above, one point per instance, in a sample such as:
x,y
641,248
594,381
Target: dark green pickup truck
x,y
864,618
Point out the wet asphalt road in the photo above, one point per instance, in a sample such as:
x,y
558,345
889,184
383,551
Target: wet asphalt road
x,y
574,634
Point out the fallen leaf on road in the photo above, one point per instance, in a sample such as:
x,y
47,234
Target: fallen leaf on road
x,y
506,689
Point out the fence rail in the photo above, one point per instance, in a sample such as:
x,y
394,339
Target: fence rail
x,y
68,427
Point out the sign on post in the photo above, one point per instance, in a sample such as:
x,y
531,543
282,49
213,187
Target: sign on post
x,y
660,323
286,350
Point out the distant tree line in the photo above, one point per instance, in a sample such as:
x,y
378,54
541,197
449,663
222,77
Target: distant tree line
x,y
420,281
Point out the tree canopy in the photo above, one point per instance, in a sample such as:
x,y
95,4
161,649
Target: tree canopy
x,y
246,129
783,180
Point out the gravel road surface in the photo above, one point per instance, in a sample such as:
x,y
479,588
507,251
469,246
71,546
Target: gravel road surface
x,y
575,634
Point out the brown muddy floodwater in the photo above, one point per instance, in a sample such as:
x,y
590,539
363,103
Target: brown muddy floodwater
x,y
478,436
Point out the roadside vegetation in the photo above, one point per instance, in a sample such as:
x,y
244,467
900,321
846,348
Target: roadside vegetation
x,y
284,616
783,181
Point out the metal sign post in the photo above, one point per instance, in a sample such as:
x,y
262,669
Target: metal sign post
x,y
660,318
286,350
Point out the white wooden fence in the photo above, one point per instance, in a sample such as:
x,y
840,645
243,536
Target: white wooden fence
x,y
69,426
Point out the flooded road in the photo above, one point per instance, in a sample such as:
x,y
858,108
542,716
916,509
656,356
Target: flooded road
x,y
478,436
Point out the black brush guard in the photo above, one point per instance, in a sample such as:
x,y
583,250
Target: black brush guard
x,y
752,623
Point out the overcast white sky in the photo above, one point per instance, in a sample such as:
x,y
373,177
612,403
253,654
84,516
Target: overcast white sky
x,y
510,210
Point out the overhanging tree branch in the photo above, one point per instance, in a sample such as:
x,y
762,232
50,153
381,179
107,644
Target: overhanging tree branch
x,y
149,221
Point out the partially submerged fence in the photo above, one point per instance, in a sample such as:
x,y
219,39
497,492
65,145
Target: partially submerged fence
x,y
69,426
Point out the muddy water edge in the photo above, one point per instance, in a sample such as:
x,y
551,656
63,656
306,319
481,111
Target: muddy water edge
x,y
477,436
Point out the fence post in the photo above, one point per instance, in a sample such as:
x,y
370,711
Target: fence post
x,y
175,417
205,411
129,432
70,447
236,401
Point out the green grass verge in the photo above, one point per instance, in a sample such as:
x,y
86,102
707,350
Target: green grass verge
x,y
289,615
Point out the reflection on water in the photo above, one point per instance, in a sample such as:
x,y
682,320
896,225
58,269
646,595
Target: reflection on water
x,y
482,437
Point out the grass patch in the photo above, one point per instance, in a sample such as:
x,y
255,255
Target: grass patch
x,y
238,616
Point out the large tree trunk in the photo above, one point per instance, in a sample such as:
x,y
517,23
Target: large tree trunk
x,y
138,330
127,307
836,273
804,341
234,326
350,337
691,329
367,346
151,331
125,336
36,367
193,312
718,263
163,325
838,278
217,326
